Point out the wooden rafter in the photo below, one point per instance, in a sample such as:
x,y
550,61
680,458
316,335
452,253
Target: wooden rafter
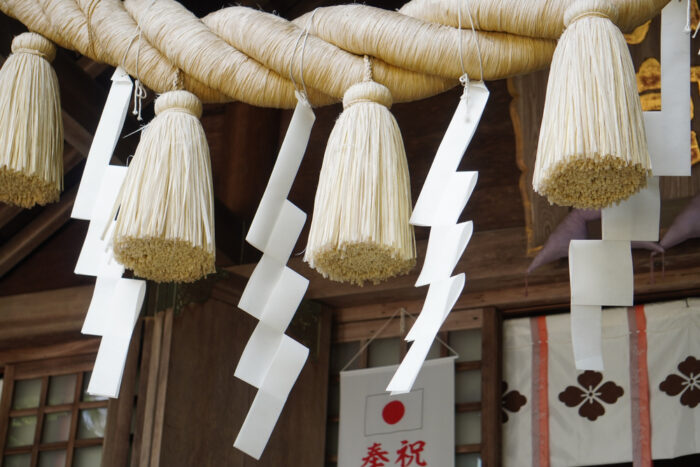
x,y
37,231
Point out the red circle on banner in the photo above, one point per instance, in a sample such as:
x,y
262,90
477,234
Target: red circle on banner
x,y
393,412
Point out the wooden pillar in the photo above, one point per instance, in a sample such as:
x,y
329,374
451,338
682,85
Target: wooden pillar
x,y
491,377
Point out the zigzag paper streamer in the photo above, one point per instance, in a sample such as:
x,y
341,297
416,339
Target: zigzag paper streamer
x,y
272,361
116,302
637,218
440,203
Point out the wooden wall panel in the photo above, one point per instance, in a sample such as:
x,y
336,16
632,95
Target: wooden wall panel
x,y
205,404
541,218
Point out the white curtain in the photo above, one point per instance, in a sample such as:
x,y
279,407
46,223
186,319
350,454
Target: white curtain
x,y
643,405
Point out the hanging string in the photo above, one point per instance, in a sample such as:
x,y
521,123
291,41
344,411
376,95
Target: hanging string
x,y
139,89
371,339
437,338
464,79
402,325
305,34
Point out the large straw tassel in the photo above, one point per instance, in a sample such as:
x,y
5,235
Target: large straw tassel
x,y
31,125
592,149
360,230
165,226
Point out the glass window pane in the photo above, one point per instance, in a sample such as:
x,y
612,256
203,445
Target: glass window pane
x,y
17,460
52,459
92,423
467,344
341,355
62,389
21,432
468,460
384,352
27,394
56,427
468,386
88,457
468,428
84,396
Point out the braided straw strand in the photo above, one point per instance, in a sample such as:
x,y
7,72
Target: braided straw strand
x,y
223,58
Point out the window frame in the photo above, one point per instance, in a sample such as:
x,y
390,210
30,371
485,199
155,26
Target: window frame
x,y
487,320
44,370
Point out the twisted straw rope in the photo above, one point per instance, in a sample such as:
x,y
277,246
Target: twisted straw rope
x,y
242,54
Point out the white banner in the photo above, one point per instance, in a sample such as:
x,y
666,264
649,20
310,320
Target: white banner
x,y
411,429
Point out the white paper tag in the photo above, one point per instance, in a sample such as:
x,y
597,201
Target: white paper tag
x,y
587,336
118,326
457,137
446,245
260,285
284,235
272,361
284,300
97,318
273,293
636,218
600,272
441,297
668,130
269,401
97,250
106,136
282,177
258,354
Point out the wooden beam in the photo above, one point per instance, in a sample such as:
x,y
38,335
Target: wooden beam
x,y
355,331
495,265
36,232
76,134
32,319
88,345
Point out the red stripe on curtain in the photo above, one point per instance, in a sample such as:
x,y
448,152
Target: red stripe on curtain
x,y
540,396
639,387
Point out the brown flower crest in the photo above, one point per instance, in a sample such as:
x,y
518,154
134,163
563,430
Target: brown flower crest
x,y
687,384
510,401
590,395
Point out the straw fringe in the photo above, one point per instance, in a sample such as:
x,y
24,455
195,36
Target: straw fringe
x,y
592,149
224,56
359,229
165,227
31,125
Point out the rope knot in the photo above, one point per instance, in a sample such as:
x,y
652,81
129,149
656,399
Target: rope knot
x,y
367,91
584,8
183,101
33,43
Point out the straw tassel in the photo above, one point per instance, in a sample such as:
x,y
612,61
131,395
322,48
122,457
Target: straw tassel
x,y
165,227
592,149
31,125
360,230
